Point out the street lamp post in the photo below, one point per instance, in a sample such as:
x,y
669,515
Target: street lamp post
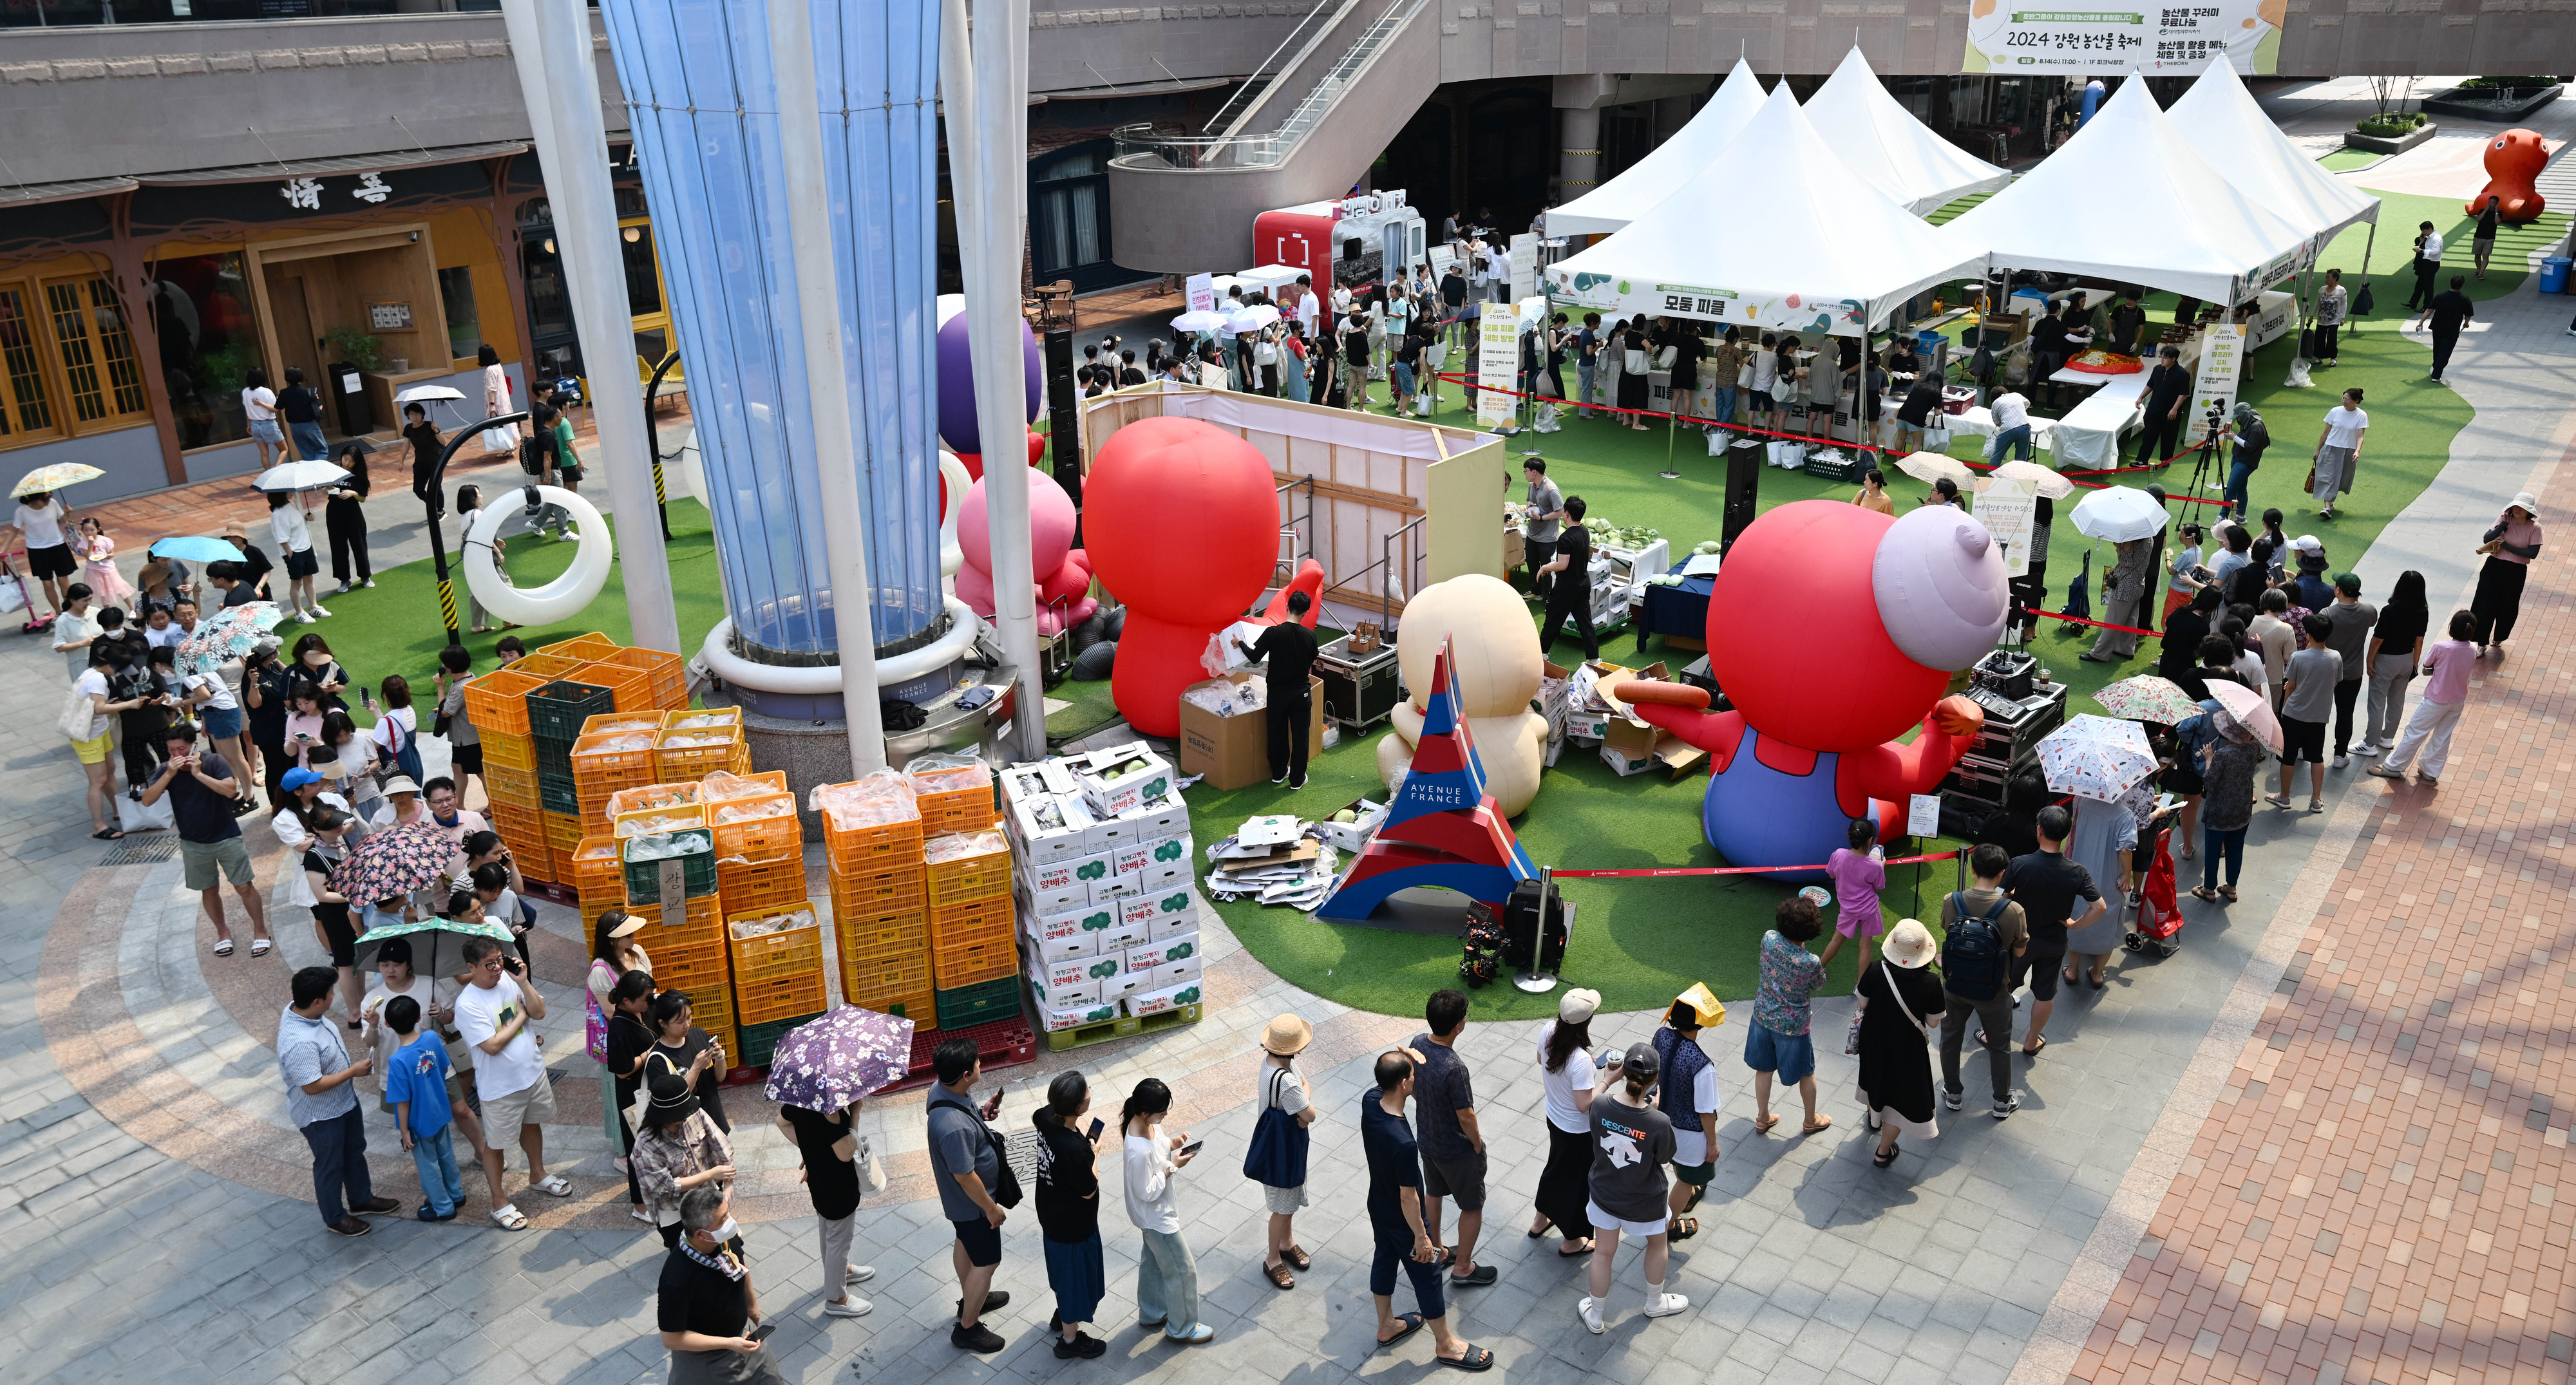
x,y
434,495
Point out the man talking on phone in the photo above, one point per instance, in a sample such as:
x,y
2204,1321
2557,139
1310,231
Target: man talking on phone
x,y
494,1013
967,1162
707,1305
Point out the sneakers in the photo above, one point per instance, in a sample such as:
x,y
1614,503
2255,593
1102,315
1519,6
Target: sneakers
x,y
1665,1305
994,1301
2342,761
1951,1101
317,609
305,616
1196,1334
1084,1347
1590,1308
351,1226
979,1339
859,1274
2367,749
2386,772
368,583
2003,1109
1280,778
850,1306
342,590
1297,783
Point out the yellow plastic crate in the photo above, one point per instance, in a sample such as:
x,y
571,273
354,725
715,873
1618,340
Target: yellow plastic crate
x,y
632,687
773,882
591,646
792,952
693,761
882,935
864,979
756,837
669,674
757,1002
965,963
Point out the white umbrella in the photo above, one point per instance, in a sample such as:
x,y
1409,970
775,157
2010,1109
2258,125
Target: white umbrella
x,y
2119,514
1251,319
300,476
1205,320
425,392
2051,485
2097,757
1936,466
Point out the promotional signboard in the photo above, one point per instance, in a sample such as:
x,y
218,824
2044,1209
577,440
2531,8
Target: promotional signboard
x,y
2213,385
1498,359
2009,38
1615,295
2008,507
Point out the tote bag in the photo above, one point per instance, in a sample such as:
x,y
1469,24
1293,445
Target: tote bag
x,y
1276,1158
1634,363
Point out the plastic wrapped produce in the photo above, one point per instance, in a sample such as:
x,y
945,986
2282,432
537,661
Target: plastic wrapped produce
x,y
722,784
695,719
949,774
648,724
776,923
963,846
691,740
879,798
658,846
752,810
661,823
649,796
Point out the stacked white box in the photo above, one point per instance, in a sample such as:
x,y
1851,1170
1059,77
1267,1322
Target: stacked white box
x,y
1104,868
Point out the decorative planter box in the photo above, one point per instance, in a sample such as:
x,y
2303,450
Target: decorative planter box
x,y
2482,103
2390,144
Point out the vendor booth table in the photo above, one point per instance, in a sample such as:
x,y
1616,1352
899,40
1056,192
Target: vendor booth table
x,y
1679,614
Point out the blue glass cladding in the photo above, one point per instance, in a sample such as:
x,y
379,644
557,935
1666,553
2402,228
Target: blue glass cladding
x,y
703,98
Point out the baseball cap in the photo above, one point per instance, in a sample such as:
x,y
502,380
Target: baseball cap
x,y
297,778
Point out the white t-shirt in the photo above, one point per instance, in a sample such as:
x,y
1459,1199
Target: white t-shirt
x,y
1292,1089
2343,426
69,627
260,404
2010,411
290,831
480,1013
1691,1146
286,525
1309,309
408,718
425,993
93,682
1560,1086
43,528
219,693
169,634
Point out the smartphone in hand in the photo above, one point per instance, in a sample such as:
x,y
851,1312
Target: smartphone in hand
x,y
760,1333
1097,1125
1193,1147
993,1104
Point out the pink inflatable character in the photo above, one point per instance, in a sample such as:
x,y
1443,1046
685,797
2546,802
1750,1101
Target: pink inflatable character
x,y
1063,571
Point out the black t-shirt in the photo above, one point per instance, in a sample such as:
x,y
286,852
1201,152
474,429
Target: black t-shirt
x,y
1355,346
2184,630
2451,309
2046,885
1068,1192
1408,350
1575,546
1453,288
316,862
2398,629
203,815
298,404
710,1083
2165,384
1394,1164
1288,649
2126,320
425,447
695,1298
832,1181
628,1040
2049,337
1919,403
268,719
2015,832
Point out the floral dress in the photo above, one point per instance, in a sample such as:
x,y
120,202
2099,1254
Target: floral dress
x,y
98,568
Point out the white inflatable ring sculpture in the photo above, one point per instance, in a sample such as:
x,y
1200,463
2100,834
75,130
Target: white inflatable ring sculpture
x,y
559,599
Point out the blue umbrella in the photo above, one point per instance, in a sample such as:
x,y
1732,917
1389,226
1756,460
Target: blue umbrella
x,y
196,548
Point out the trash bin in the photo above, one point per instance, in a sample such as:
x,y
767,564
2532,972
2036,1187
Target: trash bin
x,y
2553,274
345,386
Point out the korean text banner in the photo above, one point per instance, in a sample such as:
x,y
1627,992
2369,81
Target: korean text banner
x,y
2012,38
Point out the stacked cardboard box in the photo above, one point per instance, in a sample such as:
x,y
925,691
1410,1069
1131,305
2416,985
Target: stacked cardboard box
x,y
1104,884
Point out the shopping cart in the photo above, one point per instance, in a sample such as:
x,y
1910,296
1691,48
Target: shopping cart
x,y
2159,917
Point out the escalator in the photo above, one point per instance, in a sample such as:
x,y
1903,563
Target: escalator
x,y
1303,128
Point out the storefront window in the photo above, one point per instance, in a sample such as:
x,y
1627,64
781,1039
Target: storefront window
x,y
549,311
96,348
464,323
209,341
25,412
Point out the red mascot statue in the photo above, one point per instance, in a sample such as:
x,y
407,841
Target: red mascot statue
x,y
1181,524
1833,629
2514,159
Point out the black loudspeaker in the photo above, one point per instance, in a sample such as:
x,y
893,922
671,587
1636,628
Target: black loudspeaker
x,y
1064,413
1743,485
1534,928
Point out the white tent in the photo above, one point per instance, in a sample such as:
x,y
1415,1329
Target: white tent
x,y
2220,118
2128,200
1890,149
1817,252
1683,159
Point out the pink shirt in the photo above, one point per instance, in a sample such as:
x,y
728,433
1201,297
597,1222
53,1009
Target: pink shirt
x,y
2450,661
1857,877
2521,534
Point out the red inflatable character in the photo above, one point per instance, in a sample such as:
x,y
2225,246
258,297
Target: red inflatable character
x,y
2514,159
1833,630
1180,523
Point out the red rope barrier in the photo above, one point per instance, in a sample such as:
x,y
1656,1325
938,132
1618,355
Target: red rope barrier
x,y
2097,624
1730,870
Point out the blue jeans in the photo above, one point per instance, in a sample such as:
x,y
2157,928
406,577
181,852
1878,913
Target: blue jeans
x,y
2213,841
339,1164
1725,407
1074,1270
2238,473
309,446
435,1157
1584,373
1167,1285
2017,435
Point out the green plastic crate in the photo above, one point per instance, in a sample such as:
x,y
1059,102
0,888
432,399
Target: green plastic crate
x,y
759,1042
697,870
556,793
554,760
557,710
998,999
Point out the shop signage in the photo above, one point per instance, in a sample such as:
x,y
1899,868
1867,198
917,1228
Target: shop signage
x,y
2213,385
389,317
1201,289
305,194
2008,507
2083,42
1498,358
1791,312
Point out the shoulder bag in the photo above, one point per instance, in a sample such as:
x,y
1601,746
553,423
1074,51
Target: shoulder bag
x,y
1276,1158
1006,1187
80,719
1634,362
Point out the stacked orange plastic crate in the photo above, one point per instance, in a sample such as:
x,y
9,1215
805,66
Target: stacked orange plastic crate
x,y
615,752
778,974
974,953
693,959
760,845
696,743
497,704
872,841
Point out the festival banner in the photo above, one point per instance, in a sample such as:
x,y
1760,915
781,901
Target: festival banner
x,y
2109,42
1498,359
1617,295
2009,507
2213,384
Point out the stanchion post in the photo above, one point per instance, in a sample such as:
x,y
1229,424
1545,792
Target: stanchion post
x,y
433,495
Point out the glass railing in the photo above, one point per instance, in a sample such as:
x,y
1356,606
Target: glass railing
x,y
1283,59
65,14
1144,146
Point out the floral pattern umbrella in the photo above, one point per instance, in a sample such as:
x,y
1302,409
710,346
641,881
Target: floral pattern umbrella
x,y
830,1062
395,861
56,477
2097,757
2148,698
227,635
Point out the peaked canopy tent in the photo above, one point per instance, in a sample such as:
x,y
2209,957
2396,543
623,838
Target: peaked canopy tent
x,y
1887,147
2222,120
1827,254
1672,165
2080,212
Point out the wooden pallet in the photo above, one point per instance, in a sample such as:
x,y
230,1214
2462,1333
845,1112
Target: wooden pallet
x,y
1123,1027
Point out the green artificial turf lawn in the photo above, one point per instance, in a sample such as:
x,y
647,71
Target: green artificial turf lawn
x,y
2346,160
1640,942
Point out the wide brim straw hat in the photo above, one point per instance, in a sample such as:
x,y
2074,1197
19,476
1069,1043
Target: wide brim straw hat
x,y
1287,1034
1909,944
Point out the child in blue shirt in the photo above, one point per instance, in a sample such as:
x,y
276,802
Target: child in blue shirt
x,y
416,1087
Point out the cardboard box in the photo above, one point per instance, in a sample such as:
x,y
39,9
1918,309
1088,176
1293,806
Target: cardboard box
x,y
1186,971
1071,872
1165,854
1079,990
1624,764
1232,752
1680,756
1354,835
1588,726
1035,779
1116,887
1122,935
1515,550
1077,1016
1633,740
1172,949
1036,900
1117,988
1178,902
1077,972
1051,827
1109,834
1109,798
1138,911
1156,1002
1167,817
1071,933
1131,859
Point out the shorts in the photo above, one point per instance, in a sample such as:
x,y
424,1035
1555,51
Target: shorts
x,y
1463,1179
2040,970
568,475
466,759
56,561
1283,1202
94,750
1867,925
202,859
303,562
1792,1057
267,431
2302,739
223,723
1696,1175
1603,1221
983,1242
504,1115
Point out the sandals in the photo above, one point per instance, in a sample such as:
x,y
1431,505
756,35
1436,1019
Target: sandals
x,y
2227,893
1541,1229
1698,1191
1763,1125
107,834
509,1218
1565,1254
2033,1050
1474,1358
555,1185
1817,1126
1278,1274
223,947
1681,1228
2067,976
1412,1324
1885,1156
1296,1255
259,947
2204,894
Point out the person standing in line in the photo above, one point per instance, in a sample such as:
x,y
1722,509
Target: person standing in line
x,y
46,526
2107,839
1779,1043
615,950
2124,596
967,1161
2482,240
2396,647
1898,998
828,1143
2168,394
1859,872
1567,1085
1283,1089
1167,1276
2351,619
2273,631
344,519
464,743
416,1087
1453,300
301,409
1688,1097
1635,363
319,1100
2437,713
1310,309
1587,365
1453,1145
426,447
2428,264
2510,545
1873,495
509,1072
2331,302
2307,704
1286,651
1570,595
75,630
677,1149
323,852
2047,885
1914,414
630,1044
1542,518
1399,1235
1068,1206
2450,313
1982,931
2230,761
2179,652
2339,451
259,411
706,1299
203,793
1356,346
1631,1143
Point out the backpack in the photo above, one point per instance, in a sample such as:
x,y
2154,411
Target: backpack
x,y
1482,946
1982,367
1973,961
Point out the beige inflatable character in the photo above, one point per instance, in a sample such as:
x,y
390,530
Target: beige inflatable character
x,y
1498,674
